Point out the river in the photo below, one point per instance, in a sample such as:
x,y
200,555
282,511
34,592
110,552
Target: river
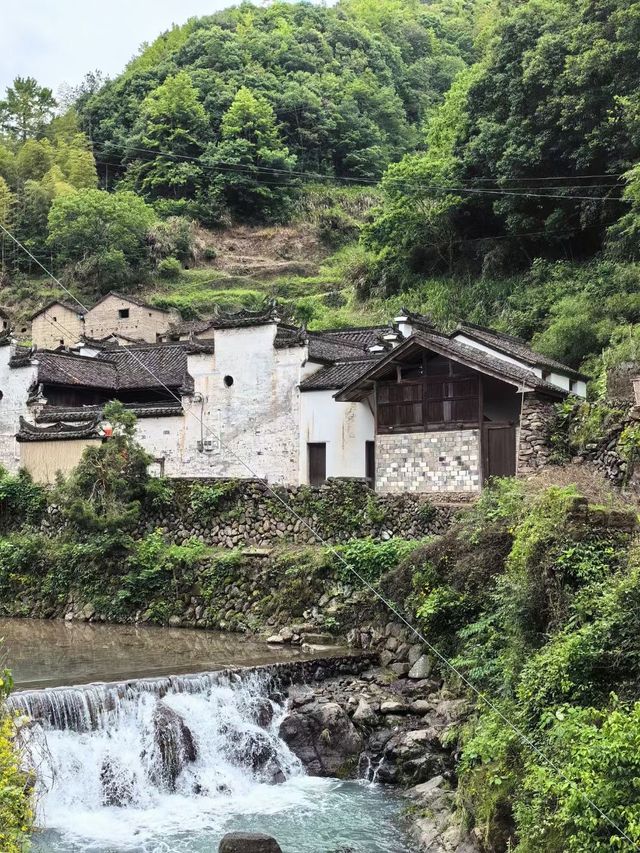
x,y
103,779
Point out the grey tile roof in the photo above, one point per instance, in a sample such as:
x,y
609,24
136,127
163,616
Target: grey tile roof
x,y
464,353
57,368
289,336
56,432
123,368
152,366
336,376
516,348
83,414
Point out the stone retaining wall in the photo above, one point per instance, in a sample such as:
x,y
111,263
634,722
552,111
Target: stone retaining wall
x,y
250,515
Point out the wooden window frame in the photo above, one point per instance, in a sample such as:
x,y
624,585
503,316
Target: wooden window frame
x,y
425,424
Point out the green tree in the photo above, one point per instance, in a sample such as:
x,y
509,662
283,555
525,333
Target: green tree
x,y
26,108
105,490
261,187
89,221
173,124
6,203
102,234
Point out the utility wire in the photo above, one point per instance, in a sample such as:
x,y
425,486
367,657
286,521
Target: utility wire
x,y
227,166
443,660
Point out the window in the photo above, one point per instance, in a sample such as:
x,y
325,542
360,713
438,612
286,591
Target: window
x,y
228,381
430,403
317,455
55,319
572,385
123,313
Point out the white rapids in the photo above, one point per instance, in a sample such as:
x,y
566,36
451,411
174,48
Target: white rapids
x,y
103,783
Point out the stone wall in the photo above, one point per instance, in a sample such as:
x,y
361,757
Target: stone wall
x,y
536,420
340,510
429,462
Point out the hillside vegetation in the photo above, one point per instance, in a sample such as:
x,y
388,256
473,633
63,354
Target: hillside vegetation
x,y
468,160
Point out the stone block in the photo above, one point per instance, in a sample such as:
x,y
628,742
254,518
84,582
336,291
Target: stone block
x,y
249,842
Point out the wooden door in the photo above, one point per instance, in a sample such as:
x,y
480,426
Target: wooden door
x,y
499,450
317,463
370,463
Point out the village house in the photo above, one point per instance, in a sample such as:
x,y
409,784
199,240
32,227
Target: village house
x,y
65,324
403,406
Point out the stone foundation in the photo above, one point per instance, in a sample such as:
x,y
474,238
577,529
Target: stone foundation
x,y
429,462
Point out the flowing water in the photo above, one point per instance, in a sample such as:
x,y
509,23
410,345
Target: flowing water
x,y
170,764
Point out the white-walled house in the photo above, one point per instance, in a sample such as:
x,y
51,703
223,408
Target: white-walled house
x,y
245,395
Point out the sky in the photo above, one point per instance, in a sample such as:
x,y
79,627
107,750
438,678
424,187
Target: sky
x,y
59,41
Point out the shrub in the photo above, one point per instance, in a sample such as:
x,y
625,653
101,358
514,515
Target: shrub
x,y
21,500
169,268
207,500
372,559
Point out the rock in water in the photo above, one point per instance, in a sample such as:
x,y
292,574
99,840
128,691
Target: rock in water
x,y
118,784
175,746
248,842
323,737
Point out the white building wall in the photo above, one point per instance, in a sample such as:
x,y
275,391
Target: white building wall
x,y
256,417
14,383
344,427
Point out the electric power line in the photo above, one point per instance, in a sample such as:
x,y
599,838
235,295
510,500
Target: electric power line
x,y
443,660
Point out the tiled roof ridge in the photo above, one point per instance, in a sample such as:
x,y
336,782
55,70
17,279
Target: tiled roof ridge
x,y
129,298
79,309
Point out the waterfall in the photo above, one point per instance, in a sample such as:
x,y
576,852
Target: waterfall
x,y
118,762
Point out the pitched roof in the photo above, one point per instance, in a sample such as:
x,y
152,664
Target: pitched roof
x,y
125,368
71,306
128,298
523,378
289,336
335,376
56,432
514,347
152,366
58,368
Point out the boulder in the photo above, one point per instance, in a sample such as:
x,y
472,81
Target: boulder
x,y
364,713
422,668
174,746
323,738
249,842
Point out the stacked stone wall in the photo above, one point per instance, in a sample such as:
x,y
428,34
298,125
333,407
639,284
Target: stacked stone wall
x,y
249,514
536,422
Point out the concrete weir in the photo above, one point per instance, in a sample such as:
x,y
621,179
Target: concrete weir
x,y
87,707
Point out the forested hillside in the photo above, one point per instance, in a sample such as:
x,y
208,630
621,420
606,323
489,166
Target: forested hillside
x,y
469,159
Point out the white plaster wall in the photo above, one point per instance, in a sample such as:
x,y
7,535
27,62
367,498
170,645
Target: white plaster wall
x,y
163,438
344,427
14,383
558,379
257,417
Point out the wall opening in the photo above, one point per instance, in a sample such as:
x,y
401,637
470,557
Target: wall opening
x,y
228,381
317,456
123,313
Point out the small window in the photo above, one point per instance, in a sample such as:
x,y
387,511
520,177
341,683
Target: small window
x,y
61,342
228,381
55,319
123,313
572,384
546,374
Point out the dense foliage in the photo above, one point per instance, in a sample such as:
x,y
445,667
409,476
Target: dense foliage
x,y
16,785
537,608
339,91
526,155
